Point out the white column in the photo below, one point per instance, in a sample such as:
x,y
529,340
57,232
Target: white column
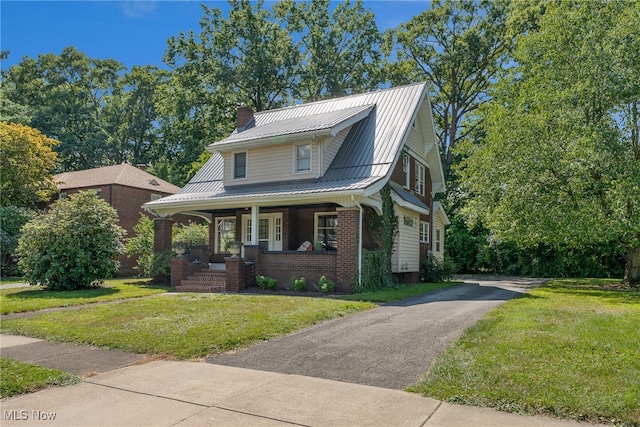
x,y
255,214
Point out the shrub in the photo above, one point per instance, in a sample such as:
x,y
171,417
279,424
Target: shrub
x,y
192,234
142,245
436,270
12,219
74,245
266,282
325,285
298,284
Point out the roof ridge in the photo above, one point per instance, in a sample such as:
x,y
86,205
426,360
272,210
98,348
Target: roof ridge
x,y
321,101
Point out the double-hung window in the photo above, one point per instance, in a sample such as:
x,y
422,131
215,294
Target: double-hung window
x,y
419,179
303,158
326,233
225,233
424,232
240,165
438,240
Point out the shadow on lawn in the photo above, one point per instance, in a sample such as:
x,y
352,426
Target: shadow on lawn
x,y
466,292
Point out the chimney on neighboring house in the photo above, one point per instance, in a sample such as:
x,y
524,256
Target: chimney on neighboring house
x,y
245,117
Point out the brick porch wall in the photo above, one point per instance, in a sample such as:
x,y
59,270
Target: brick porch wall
x,y
346,263
310,265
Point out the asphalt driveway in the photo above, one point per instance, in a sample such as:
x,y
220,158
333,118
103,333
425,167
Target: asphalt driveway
x,y
390,346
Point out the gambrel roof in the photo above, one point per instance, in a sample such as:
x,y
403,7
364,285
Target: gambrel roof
x,y
379,124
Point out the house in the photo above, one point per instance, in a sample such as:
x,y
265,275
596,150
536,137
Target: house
x,y
309,177
126,188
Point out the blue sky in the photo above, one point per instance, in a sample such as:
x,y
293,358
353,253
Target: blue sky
x,y
132,32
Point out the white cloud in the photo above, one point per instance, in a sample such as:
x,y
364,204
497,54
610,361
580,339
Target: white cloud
x,y
138,8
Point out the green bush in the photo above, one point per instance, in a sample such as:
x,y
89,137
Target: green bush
x,y
266,282
12,219
435,270
325,285
141,245
74,245
192,234
298,284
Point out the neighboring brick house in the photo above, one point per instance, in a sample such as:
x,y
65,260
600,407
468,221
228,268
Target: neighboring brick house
x,y
126,188
309,176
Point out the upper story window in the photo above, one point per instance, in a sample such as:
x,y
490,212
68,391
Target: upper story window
x,y
419,179
424,232
406,169
240,165
303,158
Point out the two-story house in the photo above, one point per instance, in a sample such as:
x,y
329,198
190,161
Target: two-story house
x,y
299,185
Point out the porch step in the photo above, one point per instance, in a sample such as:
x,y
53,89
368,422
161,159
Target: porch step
x,y
204,281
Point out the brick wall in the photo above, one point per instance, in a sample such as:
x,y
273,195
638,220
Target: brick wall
x,y
308,264
346,263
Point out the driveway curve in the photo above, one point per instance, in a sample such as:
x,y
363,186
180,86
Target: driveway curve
x,y
391,346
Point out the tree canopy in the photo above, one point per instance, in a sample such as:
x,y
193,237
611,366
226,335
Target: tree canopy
x,y
560,162
26,160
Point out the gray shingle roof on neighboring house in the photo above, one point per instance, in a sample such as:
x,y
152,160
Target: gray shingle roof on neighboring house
x,y
123,174
366,156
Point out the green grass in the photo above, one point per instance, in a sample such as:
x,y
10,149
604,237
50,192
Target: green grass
x,y
6,280
20,378
17,300
183,325
398,293
569,349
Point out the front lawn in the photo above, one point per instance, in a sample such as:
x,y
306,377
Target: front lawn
x,y
184,325
20,378
32,298
568,349
400,292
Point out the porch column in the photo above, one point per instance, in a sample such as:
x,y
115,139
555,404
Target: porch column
x,y
162,234
255,216
347,256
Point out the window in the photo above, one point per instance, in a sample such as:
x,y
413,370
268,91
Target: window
x,y
99,193
409,221
437,240
406,168
225,233
424,232
419,179
240,165
155,197
62,196
326,233
303,158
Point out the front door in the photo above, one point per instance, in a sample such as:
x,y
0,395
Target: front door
x,y
269,231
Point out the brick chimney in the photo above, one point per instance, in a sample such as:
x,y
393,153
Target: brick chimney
x,y
245,117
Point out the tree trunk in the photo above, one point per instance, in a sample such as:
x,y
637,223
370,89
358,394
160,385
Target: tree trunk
x,y
632,267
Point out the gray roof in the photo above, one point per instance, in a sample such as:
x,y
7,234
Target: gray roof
x,y
367,154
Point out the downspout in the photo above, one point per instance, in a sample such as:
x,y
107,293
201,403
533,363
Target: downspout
x,y
359,242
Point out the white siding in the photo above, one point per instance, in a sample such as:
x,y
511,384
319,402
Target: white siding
x,y
269,164
438,224
406,248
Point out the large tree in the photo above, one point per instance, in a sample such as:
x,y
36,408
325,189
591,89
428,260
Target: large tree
x,y
561,160
460,47
66,94
27,159
339,48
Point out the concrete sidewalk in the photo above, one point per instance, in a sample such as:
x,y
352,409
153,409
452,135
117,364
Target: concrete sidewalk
x,y
170,393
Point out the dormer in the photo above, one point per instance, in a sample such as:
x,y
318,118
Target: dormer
x,y
284,147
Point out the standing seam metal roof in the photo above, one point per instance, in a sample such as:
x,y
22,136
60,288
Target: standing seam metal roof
x,y
366,155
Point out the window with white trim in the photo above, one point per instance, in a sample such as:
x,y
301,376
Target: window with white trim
x,y
326,232
438,241
225,233
303,158
406,169
420,179
155,197
424,232
240,165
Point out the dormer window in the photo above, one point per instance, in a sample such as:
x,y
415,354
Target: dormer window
x,y
303,158
240,165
